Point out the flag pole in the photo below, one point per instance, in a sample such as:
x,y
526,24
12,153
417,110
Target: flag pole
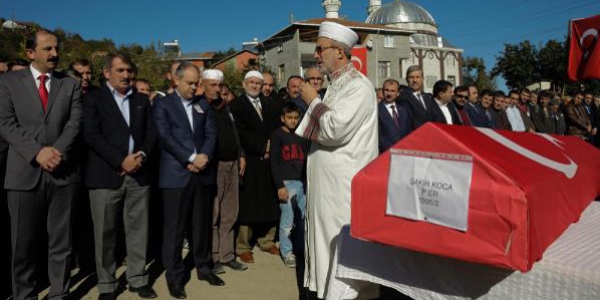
x,y
568,57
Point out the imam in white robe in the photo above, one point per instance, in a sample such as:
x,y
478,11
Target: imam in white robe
x,y
343,131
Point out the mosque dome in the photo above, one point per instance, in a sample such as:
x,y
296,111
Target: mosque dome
x,y
404,15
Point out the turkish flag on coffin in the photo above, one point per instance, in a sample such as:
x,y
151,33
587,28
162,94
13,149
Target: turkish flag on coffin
x,y
584,57
525,190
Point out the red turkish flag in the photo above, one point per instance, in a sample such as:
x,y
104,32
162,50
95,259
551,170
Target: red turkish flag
x,y
584,57
359,58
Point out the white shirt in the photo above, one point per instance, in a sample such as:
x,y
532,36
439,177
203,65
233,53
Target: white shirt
x,y
256,104
390,110
123,104
36,77
419,97
188,106
252,101
515,119
445,110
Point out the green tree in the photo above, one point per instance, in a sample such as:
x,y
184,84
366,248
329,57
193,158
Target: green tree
x,y
474,72
517,65
222,54
233,78
552,63
151,66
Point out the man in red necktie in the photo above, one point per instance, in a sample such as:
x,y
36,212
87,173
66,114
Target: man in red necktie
x,y
40,117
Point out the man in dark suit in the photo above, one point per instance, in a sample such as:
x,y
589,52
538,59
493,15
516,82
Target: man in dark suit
x,y
474,111
188,135
394,118
84,68
256,118
442,95
422,107
541,114
40,117
118,131
459,102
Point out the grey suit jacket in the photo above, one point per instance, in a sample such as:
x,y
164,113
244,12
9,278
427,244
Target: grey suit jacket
x,y
25,126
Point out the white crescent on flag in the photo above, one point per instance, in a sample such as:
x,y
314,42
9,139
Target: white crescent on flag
x,y
569,169
590,32
358,61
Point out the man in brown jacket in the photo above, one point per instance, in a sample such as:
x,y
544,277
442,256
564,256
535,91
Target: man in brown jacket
x,y
578,122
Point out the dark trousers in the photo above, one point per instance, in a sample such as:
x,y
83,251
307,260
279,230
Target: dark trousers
x,y
297,237
41,218
180,205
6,262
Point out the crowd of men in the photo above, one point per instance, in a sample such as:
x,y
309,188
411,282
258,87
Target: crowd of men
x,y
403,109
104,155
204,155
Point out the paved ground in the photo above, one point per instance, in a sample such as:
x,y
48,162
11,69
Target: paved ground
x,y
267,279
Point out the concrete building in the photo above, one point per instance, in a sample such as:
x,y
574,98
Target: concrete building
x,y
237,61
395,36
172,51
291,50
438,58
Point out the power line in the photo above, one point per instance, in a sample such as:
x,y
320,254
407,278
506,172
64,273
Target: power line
x,y
485,29
485,13
511,38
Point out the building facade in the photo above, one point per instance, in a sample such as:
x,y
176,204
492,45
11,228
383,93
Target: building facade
x,y
395,36
291,51
438,58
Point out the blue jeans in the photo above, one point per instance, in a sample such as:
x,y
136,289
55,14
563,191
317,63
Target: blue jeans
x,y
296,202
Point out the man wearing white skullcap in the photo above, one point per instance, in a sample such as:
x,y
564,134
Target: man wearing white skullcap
x,y
343,130
228,165
212,83
256,118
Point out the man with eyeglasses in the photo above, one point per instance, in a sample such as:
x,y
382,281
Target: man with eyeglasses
x,y
461,97
314,77
342,127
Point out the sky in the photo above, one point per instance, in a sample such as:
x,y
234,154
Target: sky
x,y
479,27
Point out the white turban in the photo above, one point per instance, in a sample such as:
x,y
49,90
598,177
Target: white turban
x,y
254,74
338,33
213,74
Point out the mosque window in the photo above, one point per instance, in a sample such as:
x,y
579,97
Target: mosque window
x,y
384,69
281,73
388,42
452,79
450,61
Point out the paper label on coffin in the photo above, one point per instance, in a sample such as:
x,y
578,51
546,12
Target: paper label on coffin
x,y
430,187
